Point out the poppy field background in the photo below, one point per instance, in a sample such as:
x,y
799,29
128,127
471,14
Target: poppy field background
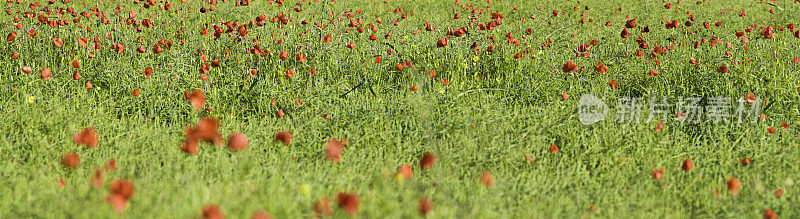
x,y
500,121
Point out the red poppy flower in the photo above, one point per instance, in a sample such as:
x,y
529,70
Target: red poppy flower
x,y
26,69
334,149
206,130
553,149
261,215
253,72
70,160
147,72
750,98
123,188
657,173
425,206
238,142
212,211
117,202
779,192
111,164
97,178
327,39
289,73
405,171
687,165
771,130
191,146
11,36
487,179
601,68
768,32
625,33
284,137
652,73
196,98
58,42
76,75
630,23
88,85
568,67
135,92
769,213
45,74
323,207
300,57
734,186
62,183
348,202
722,69
427,160
441,42
612,84
87,137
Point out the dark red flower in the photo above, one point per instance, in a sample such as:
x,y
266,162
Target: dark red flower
x,y
687,165
87,137
284,137
348,202
601,68
122,188
196,98
425,206
568,67
405,171
657,173
323,207
427,160
70,160
722,69
487,179
734,186
238,142
212,211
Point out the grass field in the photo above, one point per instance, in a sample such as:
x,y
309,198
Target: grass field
x,y
482,112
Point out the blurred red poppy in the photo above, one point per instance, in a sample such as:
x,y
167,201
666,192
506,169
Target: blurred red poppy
x,y
734,186
87,137
45,74
284,137
323,207
425,206
261,215
348,202
191,146
657,173
405,171
238,142
196,98
487,179
568,67
212,211
70,160
687,165
427,160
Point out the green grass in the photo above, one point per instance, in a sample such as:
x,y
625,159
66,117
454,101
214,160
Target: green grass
x,y
494,112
